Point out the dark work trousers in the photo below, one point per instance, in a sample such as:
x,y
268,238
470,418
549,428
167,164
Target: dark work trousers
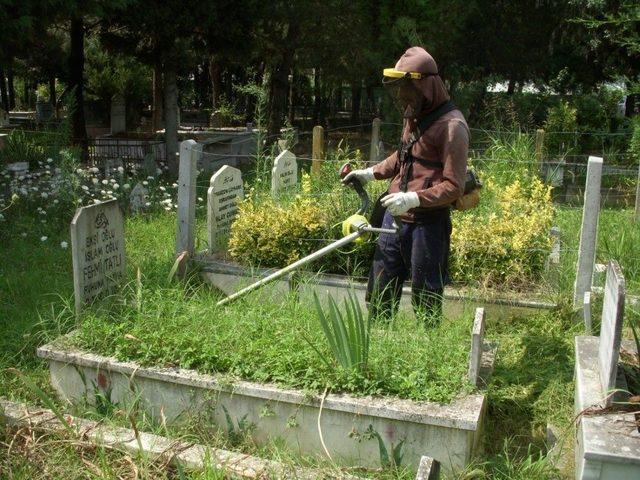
x,y
419,252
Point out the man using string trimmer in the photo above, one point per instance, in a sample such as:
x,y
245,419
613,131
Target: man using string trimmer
x,y
428,174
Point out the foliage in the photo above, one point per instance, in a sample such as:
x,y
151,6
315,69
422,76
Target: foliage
x,y
269,232
561,121
346,333
634,144
509,246
20,147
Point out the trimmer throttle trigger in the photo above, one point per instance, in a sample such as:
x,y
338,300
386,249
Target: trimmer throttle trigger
x,y
355,183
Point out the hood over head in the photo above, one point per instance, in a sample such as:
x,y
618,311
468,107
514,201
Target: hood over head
x,y
417,59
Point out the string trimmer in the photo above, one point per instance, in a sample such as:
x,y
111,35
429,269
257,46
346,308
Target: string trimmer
x,y
355,227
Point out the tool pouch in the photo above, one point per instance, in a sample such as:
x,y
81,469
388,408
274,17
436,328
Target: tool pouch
x,y
471,197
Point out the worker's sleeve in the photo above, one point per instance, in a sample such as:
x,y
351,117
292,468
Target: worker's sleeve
x,y
454,145
387,168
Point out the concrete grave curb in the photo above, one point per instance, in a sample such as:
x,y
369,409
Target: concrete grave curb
x,y
177,452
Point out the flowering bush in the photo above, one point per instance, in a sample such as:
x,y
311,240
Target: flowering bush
x,y
57,187
271,233
508,245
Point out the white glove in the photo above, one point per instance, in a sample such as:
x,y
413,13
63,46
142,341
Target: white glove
x,y
363,176
400,202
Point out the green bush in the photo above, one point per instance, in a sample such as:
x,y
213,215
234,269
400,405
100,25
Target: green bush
x,y
561,125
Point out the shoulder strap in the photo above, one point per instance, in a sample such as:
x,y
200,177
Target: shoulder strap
x,y
425,122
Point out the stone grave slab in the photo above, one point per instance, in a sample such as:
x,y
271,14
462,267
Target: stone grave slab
x,y
223,195
98,251
284,173
138,198
611,329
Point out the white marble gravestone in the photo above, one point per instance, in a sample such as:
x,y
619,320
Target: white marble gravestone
x,y
284,173
611,329
118,114
97,249
225,191
138,198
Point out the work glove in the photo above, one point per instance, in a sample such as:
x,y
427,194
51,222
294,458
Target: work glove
x,y
400,202
363,176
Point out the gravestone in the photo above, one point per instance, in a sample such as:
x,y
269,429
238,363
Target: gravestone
x,y
97,249
118,115
477,337
284,173
586,312
4,118
611,329
429,469
190,153
18,168
224,193
149,164
138,198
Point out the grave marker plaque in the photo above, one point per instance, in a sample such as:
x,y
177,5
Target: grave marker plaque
x,y
97,248
224,193
284,173
611,329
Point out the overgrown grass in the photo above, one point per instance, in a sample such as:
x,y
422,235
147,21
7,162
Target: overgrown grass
x,y
531,384
267,339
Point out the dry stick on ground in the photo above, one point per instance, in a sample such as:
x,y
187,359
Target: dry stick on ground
x,y
324,395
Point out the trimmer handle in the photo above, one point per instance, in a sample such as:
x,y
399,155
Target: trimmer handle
x,y
355,183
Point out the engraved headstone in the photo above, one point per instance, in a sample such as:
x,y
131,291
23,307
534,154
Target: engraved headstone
x,y
224,193
428,469
97,246
138,198
611,329
284,173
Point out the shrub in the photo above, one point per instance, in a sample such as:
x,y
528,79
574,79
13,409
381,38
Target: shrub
x,y
508,245
273,233
561,123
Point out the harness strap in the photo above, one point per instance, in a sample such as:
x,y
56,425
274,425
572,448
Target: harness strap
x,y
404,149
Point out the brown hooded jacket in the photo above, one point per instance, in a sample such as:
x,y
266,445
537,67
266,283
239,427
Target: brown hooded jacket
x,y
445,141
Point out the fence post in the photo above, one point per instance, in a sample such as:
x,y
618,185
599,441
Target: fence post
x,y
637,213
588,231
187,174
540,149
375,139
317,153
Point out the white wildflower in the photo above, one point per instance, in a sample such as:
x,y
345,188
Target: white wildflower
x,y
55,202
85,188
147,204
162,189
49,160
126,186
120,170
145,183
95,181
43,238
63,245
105,181
116,186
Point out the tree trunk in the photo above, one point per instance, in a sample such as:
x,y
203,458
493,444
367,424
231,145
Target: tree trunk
x,y
630,105
511,87
12,89
76,80
292,112
171,115
214,75
317,98
156,114
3,91
52,91
278,98
356,92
